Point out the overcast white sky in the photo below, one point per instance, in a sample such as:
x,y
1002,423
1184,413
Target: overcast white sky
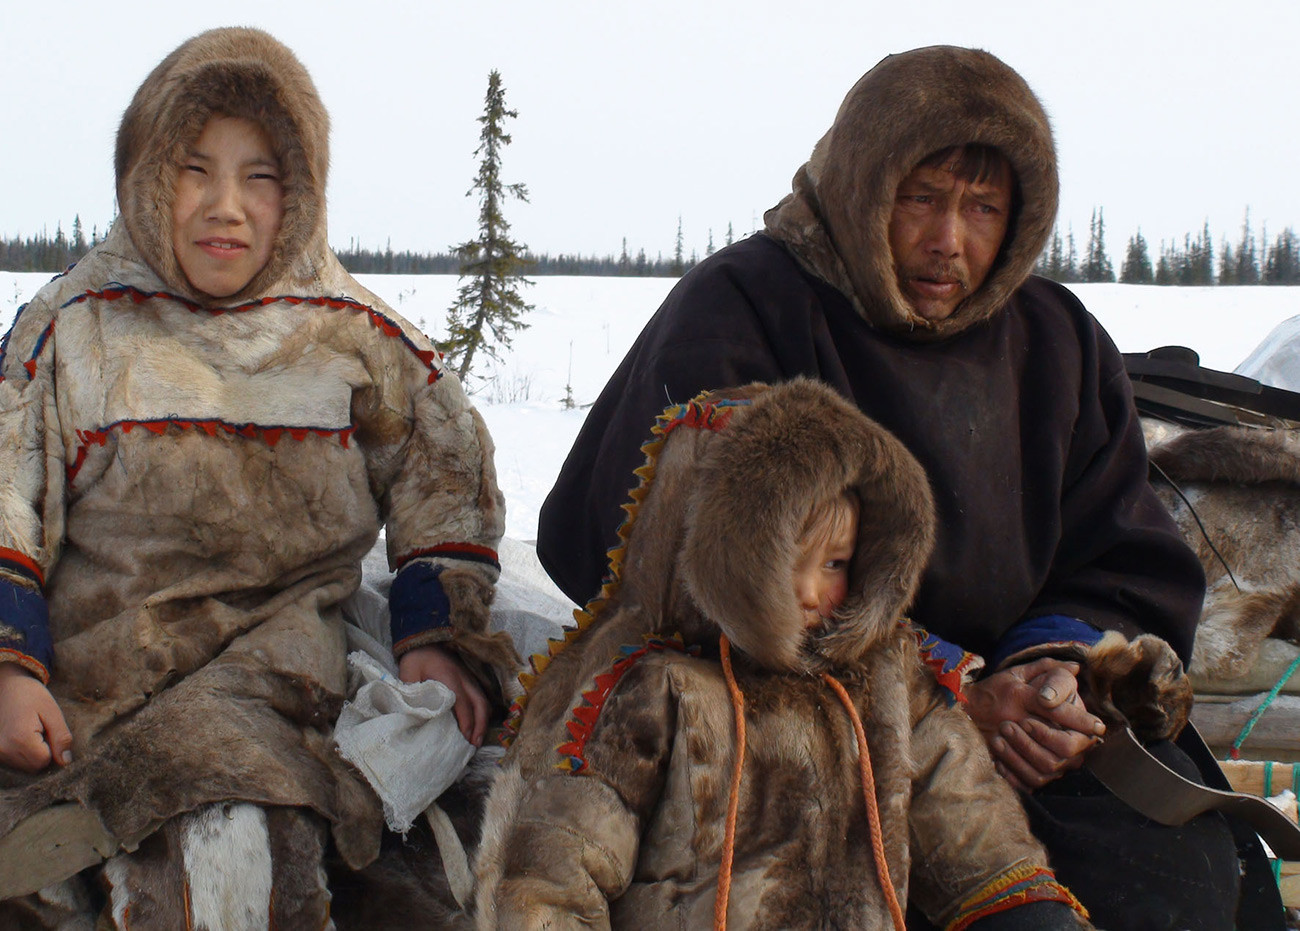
x,y
1166,113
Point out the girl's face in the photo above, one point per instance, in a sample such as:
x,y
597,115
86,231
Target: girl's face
x,y
821,572
227,207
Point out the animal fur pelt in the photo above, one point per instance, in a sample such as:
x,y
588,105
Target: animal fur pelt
x,y
407,886
1235,493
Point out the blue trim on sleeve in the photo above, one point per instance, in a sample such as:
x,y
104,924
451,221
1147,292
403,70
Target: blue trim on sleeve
x,y
24,611
417,603
1039,631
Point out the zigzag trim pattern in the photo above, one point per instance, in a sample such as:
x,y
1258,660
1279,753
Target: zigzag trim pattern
x,y
695,413
949,662
583,719
1018,886
4,343
114,291
471,552
267,434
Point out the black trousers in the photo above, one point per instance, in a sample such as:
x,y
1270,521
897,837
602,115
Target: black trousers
x,y
1131,873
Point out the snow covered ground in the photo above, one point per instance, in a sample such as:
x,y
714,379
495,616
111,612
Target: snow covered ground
x,y
581,328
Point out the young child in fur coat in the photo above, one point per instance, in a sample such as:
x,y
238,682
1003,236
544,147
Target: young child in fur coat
x,y
744,731
203,426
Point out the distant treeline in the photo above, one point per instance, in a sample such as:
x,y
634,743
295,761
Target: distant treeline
x,y
46,253
1247,260
388,262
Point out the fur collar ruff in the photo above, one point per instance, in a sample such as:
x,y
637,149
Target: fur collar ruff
x,y
234,72
836,220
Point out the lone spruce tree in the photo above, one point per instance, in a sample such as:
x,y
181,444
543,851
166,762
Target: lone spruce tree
x,y
488,306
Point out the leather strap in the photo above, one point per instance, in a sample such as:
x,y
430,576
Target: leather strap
x,y
1146,785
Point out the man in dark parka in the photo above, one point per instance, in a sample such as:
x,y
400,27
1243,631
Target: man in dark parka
x,y
898,271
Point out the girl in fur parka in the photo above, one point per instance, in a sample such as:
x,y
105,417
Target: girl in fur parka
x,y
814,776
203,426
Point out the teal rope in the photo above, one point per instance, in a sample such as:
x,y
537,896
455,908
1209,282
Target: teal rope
x,y
1268,779
1263,706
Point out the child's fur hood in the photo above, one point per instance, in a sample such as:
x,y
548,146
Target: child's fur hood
x,y
713,537
751,491
836,220
235,72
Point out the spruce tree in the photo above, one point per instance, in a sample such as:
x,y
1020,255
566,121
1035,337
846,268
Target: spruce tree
x,y
1166,273
1247,257
1137,262
1227,263
1097,265
1070,265
489,308
679,260
1055,266
1283,263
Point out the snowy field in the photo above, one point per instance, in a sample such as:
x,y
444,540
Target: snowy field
x,y
582,326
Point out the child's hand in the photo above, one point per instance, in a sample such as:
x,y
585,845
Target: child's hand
x,y
32,730
433,662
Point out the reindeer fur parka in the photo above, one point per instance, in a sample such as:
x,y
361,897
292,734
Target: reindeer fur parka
x,y
612,807
188,485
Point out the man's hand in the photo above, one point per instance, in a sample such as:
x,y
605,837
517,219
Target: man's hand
x,y
433,662
1033,721
32,730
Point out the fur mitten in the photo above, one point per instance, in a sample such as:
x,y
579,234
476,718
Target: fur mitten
x,y
1139,683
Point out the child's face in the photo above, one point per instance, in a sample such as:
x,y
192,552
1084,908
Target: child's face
x,y
228,206
821,573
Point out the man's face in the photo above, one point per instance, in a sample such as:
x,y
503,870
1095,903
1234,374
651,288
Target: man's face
x,y
227,209
945,233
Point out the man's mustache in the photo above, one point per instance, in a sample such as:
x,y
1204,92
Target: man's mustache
x,y
937,271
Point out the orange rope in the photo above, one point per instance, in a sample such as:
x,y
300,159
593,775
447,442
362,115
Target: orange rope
x,y
873,812
733,803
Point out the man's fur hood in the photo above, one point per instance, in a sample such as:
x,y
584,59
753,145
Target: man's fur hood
x,y
836,220
713,539
236,72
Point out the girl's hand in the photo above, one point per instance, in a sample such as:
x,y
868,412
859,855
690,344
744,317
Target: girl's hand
x,y
32,730
434,662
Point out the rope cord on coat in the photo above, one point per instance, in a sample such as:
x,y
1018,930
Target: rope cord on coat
x,y
733,803
869,796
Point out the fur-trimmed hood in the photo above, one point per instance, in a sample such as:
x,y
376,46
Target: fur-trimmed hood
x,y
237,72
713,541
836,220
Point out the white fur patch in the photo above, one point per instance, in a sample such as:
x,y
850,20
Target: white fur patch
x,y
119,895
228,866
